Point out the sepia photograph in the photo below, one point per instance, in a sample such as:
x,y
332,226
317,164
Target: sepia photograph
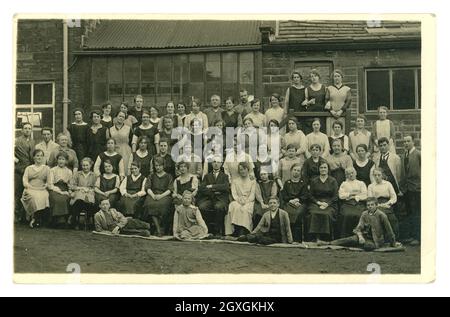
x,y
153,146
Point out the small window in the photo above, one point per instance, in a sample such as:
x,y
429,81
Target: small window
x,y
23,94
395,88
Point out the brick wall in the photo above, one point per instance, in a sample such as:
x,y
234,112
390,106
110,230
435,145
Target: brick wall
x,y
277,68
40,57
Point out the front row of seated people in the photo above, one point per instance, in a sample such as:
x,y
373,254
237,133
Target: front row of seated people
x,y
373,230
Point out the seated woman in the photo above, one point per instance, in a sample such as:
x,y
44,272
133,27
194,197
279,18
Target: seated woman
x,y
107,185
115,158
372,231
132,190
265,189
353,193
259,119
295,198
273,228
240,211
339,161
311,166
385,193
110,220
158,203
323,207
82,192
35,182
60,177
186,181
187,220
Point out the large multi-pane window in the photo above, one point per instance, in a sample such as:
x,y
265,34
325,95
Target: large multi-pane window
x,y
35,104
171,77
395,88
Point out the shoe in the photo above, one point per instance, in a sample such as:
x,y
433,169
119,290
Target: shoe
x,y
414,243
32,223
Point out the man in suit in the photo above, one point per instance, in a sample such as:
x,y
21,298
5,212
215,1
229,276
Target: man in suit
x,y
23,157
390,163
214,192
410,188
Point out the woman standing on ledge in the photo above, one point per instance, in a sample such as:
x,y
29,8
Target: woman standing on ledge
x,y
338,98
295,95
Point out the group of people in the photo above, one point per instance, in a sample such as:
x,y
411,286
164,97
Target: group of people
x,y
125,173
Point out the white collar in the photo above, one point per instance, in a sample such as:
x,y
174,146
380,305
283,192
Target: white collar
x,y
412,150
135,177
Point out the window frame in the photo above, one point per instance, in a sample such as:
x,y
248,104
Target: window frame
x,y
173,81
416,69
33,106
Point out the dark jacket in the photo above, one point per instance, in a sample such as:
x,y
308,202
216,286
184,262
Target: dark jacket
x,y
410,180
264,225
220,188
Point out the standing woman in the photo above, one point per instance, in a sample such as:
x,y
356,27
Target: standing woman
x,y
363,165
385,193
338,99
310,168
82,192
314,97
35,182
132,190
107,185
240,211
353,194
60,177
129,120
337,134
154,119
275,112
360,136
78,134
141,156
106,115
122,135
296,137
295,95
158,203
384,128
148,130
72,160
338,162
170,112
231,118
317,137
96,136
259,120
137,110
181,111
323,207
166,131
111,155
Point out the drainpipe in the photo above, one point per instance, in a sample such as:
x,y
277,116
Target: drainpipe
x,y
65,75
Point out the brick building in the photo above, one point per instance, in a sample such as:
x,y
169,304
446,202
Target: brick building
x,y
174,60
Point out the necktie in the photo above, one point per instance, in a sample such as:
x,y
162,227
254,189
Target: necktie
x,y
407,160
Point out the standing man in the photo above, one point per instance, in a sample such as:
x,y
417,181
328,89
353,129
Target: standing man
x,y
244,107
390,163
410,188
23,157
214,192
47,145
214,113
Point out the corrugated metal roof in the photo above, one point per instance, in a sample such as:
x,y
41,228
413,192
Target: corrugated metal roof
x,y
158,34
329,30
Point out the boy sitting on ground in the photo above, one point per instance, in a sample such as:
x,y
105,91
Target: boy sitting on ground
x,y
372,231
274,226
112,221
